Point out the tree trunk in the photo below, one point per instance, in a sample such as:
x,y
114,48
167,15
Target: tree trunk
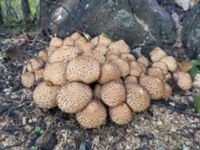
x,y
26,10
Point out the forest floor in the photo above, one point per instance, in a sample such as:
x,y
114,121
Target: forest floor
x,y
167,124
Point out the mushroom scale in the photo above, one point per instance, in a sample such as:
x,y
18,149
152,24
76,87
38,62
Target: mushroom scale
x,y
93,115
73,97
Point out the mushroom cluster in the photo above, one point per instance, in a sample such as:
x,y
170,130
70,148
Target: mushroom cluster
x,y
100,78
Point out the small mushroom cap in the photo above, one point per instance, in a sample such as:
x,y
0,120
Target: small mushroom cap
x,y
64,54
68,41
113,93
157,54
130,80
73,97
109,72
168,91
98,56
122,65
97,91
102,49
121,114
93,115
184,80
39,74
27,79
83,68
135,69
161,65
42,55
127,57
170,62
143,60
119,46
84,45
75,36
55,73
45,94
51,49
56,42
155,72
154,86
101,40
34,64
137,97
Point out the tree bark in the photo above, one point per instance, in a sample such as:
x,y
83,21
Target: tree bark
x,y
26,10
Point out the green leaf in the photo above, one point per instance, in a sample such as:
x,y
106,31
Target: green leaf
x,y
193,71
33,148
106,35
82,146
38,130
196,99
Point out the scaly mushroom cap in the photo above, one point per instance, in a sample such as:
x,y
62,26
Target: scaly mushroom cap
x,y
68,41
73,97
130,80
97,91
51,49
109,72
119,46
127,57
56,42
170,62
135,69
155,72
121,114
184,80
84,45
112,57
27,79
161,65
168,91
113,93
39,74
143,60
55,73
102,49
98,56
157,54
83,68
64,54
101,40
34,64
45,94
122,65
75,36
93,115
42,55
154,86
137,97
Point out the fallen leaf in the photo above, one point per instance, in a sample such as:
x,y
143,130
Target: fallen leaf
x,y
184,65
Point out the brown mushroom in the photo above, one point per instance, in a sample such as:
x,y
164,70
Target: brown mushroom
x,y
64,54
45,94
27,79
84,45
101,40
121,114
137,97
143,60
42,55
119,46
130,80
73,97
155,72
127,57
184,80
170,62
34,64
97,91
161,65
157,54
98,56
68,41
55,73
135,69
113,93
56,42
102,49
39,74
122,65
75,36
111,57
93,115
109,72
83,68
51,49
168,91
154,86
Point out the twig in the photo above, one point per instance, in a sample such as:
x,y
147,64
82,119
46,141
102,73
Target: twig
x,y
14,145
